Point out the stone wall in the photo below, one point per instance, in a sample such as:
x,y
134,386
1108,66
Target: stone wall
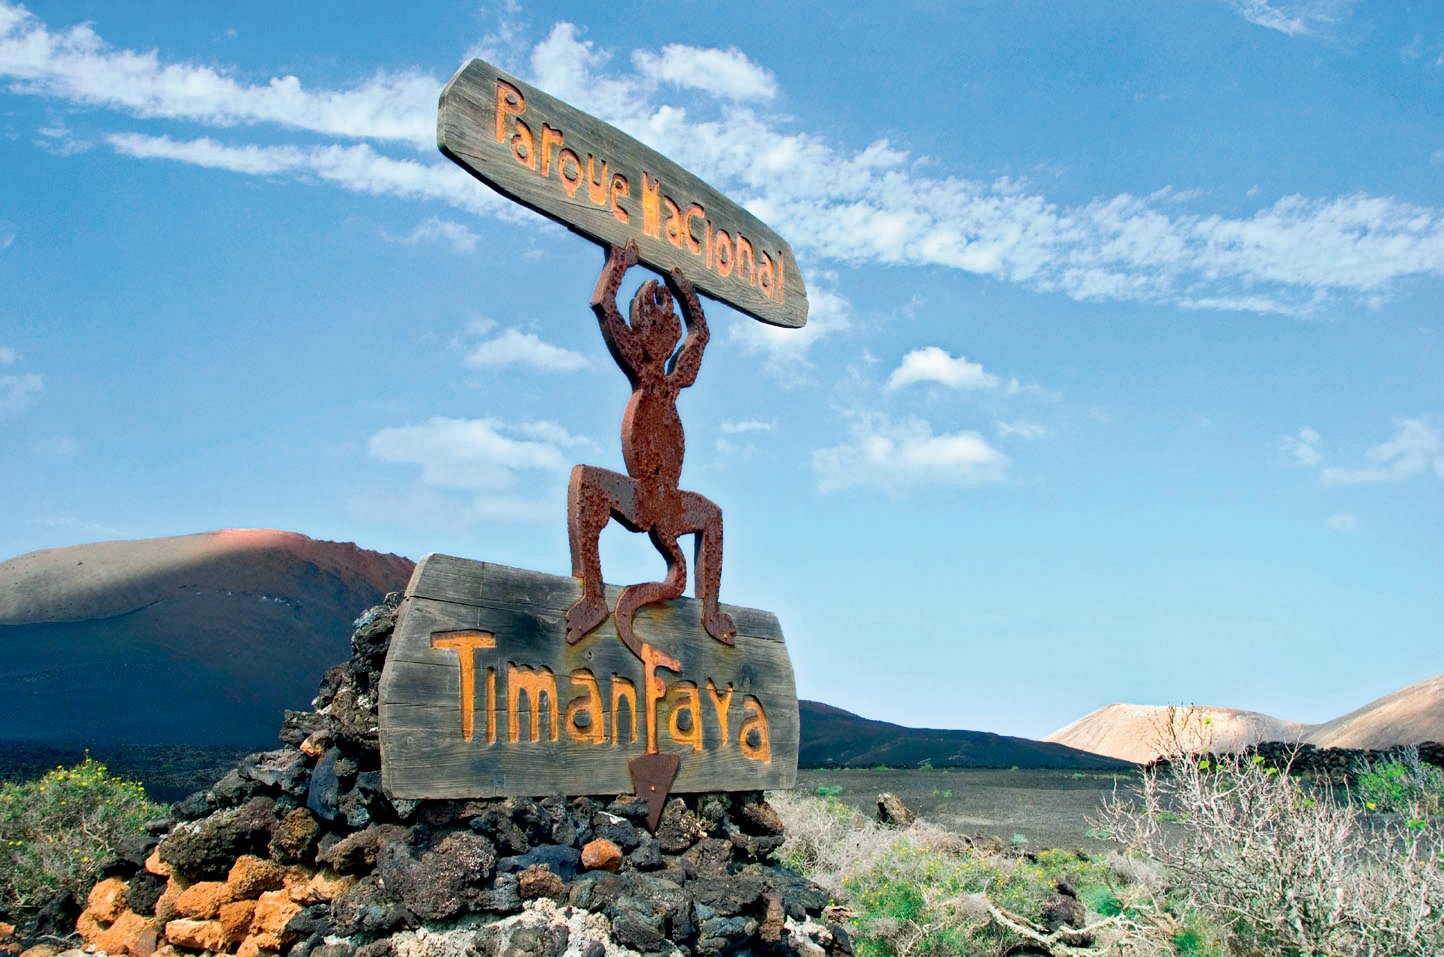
x,y
297,852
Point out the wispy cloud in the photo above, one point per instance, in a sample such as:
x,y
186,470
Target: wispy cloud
x,y
1297,18
725,73
1022,430
898,456
460,237
1342,522
747,425
786,351
357,168
8,356
1302,448
19,392
514,347
878,204
1415,448
7,235
76,64
933,364
484,458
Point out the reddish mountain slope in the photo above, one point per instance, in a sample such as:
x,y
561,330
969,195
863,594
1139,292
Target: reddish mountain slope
x,y
198,639
1135,732
1410,715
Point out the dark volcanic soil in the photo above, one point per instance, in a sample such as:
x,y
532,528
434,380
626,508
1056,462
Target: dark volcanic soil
x,y
1048,808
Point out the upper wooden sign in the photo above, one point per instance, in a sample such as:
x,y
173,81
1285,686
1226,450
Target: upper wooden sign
x,y
482,696
599,182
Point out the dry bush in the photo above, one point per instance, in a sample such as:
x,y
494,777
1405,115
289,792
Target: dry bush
x,y
926,892
1287,867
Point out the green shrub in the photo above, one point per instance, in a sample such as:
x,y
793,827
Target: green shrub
x,y
828,790
1283,865
1403,785
56,832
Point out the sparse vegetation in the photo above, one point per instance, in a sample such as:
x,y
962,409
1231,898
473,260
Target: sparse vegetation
x,y
927,891
57,831
1287,866
1226,856
1403,785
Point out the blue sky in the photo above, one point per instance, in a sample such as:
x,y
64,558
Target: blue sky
x,y
1122,380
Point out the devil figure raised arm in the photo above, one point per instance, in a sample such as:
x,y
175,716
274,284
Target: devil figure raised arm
x,y
647,498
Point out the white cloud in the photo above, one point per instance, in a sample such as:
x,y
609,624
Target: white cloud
x,y
932,364
8,356
1021,429
479,457
879,204
77,65
1302,449
434,229
19,392
1416,447
895,456
1342,522
785,351
514,347
7,235
727,74
1299,18
747,425
356,168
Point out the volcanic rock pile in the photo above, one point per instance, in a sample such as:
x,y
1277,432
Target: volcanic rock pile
x,y
298,852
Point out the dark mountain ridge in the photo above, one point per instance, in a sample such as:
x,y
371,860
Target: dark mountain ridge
x,y
833,738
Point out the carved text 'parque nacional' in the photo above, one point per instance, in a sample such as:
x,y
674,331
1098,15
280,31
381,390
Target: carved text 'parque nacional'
x,y
605,185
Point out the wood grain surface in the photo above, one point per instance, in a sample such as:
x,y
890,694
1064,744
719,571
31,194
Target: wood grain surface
x,y
603,184
512,623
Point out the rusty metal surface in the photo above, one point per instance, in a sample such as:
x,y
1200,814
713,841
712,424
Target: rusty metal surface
x,y
652,777
647,498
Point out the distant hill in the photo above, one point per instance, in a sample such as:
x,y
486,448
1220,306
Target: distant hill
x,y
1410,715
832,737
1134,732
199,639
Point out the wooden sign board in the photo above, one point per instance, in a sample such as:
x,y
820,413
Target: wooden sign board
x,y
481,696
599,182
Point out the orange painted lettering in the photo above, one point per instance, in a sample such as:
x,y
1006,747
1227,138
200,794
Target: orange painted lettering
x,y
589,704
623,690
550,138
674,222
689,703
723,244
651,209
465,643
722,704
754,726
745,260
764,276
574,181
693,212
620,187
596,186
536,682
654,689
509,101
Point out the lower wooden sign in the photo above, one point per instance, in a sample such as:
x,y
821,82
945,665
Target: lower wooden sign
x,y
481,696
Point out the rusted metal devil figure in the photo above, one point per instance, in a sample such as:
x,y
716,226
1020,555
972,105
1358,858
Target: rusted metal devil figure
x,y
647,498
